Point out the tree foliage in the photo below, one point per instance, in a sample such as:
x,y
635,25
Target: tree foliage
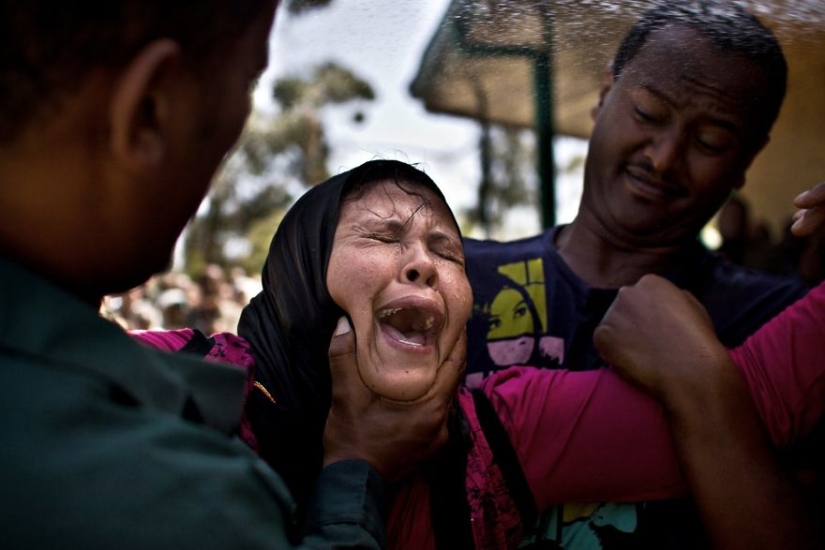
x,y
275,154
507,157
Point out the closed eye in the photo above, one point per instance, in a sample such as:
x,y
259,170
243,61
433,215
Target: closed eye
x,y
646,116
451,257
713,149
715,141
387,239
449,249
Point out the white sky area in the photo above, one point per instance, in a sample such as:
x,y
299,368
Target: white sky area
x,y
382,41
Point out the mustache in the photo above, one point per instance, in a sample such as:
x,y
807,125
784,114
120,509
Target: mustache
x,y
645,171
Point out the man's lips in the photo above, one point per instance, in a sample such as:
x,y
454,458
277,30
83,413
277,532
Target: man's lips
x,y
650,187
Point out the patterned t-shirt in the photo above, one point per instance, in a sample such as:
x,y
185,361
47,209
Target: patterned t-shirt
x,y
531,309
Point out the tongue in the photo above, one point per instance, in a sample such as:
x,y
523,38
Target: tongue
x,y
410,337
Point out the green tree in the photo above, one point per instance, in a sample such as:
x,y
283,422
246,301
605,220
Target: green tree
x,y
507,157
508,175
275,153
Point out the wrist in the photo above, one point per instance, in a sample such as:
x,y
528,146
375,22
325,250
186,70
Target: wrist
x,y
703,386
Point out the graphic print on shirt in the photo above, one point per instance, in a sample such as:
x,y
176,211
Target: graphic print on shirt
x,y
517,317
577,526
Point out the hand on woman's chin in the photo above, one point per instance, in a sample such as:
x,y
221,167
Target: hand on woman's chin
x,y
398,383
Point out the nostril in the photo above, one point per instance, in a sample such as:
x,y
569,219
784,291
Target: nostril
x,y
413,275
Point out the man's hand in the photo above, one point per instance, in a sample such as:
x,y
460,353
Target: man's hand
x,y
811,215
394,437
660,338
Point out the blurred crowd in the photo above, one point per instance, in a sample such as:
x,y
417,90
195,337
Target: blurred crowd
x,y
211,302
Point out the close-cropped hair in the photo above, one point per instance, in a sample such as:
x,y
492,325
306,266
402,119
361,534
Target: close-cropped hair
x,y
47,48
729,28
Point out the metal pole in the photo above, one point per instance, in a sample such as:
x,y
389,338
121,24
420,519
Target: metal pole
x,y
545,124
546,161
543,98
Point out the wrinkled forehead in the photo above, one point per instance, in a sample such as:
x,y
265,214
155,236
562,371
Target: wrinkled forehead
x,y
398,198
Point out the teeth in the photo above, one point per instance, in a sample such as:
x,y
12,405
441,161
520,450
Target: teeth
x,y
388,312
425,324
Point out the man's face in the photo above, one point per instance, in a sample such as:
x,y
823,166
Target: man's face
x,y
673,135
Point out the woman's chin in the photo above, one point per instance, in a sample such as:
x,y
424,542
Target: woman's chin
x,y
397,384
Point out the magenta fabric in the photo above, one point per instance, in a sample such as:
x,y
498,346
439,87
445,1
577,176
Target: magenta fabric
x,y
589,436
227,348
571,432
785,366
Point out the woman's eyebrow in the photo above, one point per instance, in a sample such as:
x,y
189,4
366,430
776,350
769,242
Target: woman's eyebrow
x,y
377,221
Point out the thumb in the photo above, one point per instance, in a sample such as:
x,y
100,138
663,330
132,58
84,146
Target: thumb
x,y
342,343
451,371
341,354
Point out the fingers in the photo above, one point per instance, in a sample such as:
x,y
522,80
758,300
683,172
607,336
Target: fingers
x,y
343,367
343,341
343,364
811,215
645,326
450,373
815,196
806,222
393,436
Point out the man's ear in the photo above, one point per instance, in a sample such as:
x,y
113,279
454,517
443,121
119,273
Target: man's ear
x,y
140,105
607,84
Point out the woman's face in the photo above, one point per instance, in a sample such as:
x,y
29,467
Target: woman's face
x,y
397,269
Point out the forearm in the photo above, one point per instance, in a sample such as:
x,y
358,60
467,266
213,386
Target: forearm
x,y
347,508
726,426
743,496
658,337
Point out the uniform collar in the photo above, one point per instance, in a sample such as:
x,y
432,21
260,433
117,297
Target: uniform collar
x,y
44,322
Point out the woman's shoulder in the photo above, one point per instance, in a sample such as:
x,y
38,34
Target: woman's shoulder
x,y
223,347
230,348
166,340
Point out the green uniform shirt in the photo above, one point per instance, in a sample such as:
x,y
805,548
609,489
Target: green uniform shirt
x,y
107,444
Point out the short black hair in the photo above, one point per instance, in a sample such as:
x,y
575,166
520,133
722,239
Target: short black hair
x,y
730,28
47,48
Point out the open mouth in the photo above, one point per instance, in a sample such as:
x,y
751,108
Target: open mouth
x,y
410,326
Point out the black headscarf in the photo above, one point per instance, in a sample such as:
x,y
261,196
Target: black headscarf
x,y
290,323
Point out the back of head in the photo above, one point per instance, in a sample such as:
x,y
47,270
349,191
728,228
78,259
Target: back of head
x,y
729,28
107,139
47,48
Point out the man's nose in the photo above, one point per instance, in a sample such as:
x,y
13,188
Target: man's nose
x,y
665,149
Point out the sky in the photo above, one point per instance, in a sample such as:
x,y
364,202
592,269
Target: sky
x,y
382,41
